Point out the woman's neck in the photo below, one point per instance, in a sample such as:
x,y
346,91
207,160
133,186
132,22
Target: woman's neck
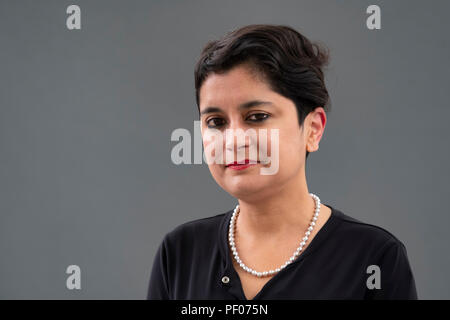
x,y
290,208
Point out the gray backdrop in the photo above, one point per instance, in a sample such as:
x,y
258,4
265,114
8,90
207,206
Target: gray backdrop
x,y
86,116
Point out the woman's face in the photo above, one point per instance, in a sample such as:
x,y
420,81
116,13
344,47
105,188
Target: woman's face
x,y
226,93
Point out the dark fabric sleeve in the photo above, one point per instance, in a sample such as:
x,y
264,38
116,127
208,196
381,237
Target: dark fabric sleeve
x,y
158,288
397,280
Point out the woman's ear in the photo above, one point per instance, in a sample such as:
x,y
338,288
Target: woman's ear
x,y
317,122
312,149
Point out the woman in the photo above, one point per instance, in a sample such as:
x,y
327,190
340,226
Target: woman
x,y
280,241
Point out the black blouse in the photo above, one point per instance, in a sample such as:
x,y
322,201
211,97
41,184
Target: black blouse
x,y
194,262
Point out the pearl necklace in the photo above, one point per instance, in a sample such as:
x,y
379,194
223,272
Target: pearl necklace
x,y
291,259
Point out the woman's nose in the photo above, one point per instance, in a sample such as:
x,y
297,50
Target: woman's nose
x,y
235,136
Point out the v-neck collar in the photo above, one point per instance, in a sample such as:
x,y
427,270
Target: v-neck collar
x,y
235,285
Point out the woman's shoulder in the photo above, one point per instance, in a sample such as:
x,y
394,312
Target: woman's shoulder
x,y
197,229
368,234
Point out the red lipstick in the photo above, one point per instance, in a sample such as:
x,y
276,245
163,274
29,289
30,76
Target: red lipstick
x,y
241,166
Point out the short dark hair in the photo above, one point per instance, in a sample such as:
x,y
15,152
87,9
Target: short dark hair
x,y
287,60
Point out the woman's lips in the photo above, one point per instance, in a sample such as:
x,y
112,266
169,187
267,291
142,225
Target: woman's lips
x,y
241,166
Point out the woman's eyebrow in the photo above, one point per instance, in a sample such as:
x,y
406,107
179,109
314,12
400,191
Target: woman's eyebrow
x,y
243,106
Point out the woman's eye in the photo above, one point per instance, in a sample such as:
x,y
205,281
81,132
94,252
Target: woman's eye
x,y
214,122
258,117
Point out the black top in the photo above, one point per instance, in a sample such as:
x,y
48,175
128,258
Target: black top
x,y
194,262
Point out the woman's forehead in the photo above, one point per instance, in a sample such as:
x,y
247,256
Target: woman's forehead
x,y
233,94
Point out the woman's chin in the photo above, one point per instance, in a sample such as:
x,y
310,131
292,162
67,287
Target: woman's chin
x,y
245,188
